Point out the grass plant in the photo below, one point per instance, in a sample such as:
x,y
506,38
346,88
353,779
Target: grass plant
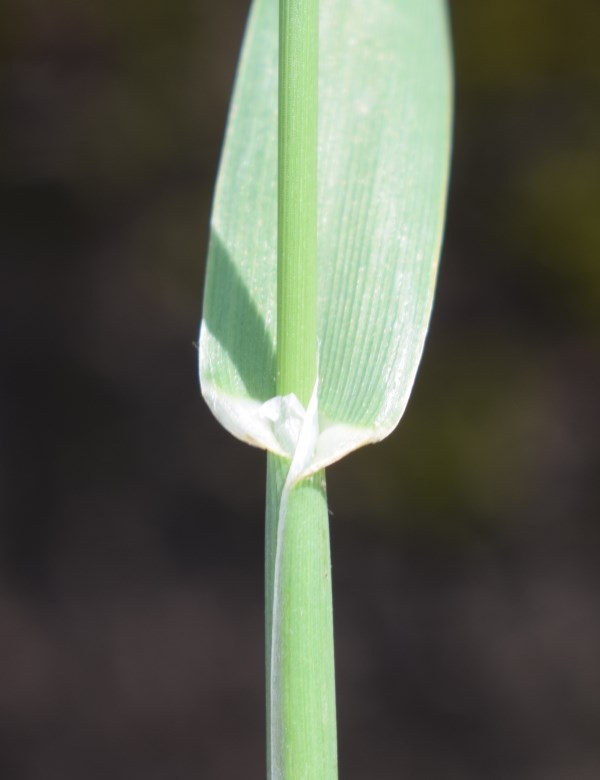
x,y
323,254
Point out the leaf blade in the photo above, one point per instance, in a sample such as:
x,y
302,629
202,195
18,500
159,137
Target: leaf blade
x,y
384,142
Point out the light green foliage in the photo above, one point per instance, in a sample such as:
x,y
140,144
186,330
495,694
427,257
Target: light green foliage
x,y
384,139
322,262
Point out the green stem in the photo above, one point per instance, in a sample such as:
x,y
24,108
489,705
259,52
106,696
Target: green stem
x,y
301,720
297,198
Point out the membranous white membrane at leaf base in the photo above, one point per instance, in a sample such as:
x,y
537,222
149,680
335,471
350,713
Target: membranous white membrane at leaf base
x,y
384,139
276,424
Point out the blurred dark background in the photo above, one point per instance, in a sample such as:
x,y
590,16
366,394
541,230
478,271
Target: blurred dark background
x,y
466,547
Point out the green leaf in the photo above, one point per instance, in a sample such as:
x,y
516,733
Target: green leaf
x,y
383,156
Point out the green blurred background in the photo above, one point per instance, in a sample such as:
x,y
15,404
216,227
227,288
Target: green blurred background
x,y
466,547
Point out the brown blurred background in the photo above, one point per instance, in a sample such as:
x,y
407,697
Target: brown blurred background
x,y
466,548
